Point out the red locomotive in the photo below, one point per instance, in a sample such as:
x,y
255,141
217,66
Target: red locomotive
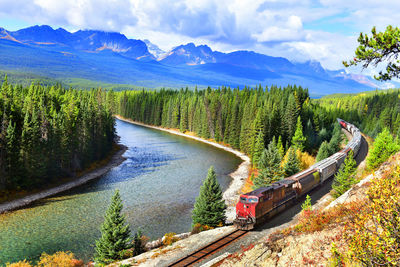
x,y
257,206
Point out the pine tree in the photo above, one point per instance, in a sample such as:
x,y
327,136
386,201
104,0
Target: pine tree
x,y
292,165
323,151
270,167
334,143
345,177
209,208
115,238
298,139
290,117
280,147
258,149
12,147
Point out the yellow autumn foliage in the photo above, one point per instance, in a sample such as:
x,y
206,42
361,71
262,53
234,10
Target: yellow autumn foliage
x,y
23,263
59,259
306,160
169,239
374,234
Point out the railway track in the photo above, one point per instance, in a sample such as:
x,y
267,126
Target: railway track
x,y
204,252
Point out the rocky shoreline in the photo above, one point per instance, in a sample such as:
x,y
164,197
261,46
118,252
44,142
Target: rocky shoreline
x,y
231,194
115,160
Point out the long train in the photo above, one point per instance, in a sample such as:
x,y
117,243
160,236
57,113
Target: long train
x,y
257,206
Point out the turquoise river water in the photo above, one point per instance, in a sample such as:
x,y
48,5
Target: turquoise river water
x,y
158,183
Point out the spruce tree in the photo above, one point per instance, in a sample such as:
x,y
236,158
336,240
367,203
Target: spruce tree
x,y
334,143
258,149
345,177
298,139
209,208
290,117
323,151
292,165
270,167
115,238
280,147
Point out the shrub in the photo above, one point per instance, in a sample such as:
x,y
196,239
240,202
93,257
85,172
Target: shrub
x,y
306,206
197,228
383,147
23,263
139,242
59,259
374,235
313,221
337,259
169,239
306,160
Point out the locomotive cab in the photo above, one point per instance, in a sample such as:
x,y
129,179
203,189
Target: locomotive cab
x,y
245,212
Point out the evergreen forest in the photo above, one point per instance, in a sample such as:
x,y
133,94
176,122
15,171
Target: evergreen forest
x,y
371,111
48,133
243,119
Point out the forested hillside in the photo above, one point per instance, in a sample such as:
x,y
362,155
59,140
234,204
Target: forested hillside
x,y
236,117
371,111
50,132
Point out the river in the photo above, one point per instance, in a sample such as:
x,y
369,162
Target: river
x,y
158,184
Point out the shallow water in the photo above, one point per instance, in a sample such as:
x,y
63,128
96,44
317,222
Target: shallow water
x,y
158,183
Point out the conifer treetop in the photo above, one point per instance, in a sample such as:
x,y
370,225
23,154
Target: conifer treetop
x,y
209,208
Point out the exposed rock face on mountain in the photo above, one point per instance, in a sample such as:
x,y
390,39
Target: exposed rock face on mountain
x,y
190,54
154,49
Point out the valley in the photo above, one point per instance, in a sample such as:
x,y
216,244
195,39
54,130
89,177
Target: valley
x,y
239,133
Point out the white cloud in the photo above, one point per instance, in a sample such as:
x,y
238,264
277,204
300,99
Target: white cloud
x,y
289,30
275,27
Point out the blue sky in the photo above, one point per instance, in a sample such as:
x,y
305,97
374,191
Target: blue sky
x,y
300,30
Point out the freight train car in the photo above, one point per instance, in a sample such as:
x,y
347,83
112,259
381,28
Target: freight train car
x,y
259,205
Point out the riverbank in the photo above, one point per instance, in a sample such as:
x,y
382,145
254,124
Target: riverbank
x,y
239,176
114,161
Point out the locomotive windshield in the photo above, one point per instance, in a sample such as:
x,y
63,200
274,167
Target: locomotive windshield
x,y
248,200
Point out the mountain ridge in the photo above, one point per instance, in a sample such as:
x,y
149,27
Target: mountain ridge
x,y
112,57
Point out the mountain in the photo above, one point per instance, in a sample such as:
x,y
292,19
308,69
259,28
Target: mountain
x,y
111,57
86,40
190,54
42,35
154,49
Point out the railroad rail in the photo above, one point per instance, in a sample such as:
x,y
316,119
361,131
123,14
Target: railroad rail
x,y
204,252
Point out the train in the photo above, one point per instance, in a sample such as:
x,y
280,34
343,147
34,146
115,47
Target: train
x,y
256,207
